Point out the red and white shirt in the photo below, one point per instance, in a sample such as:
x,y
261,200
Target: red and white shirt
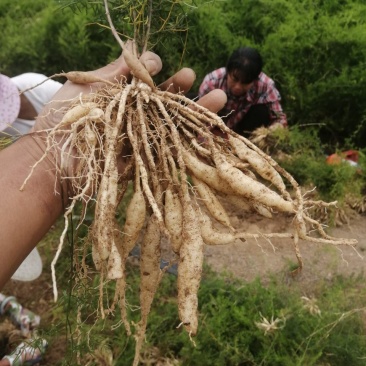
x,y
263,91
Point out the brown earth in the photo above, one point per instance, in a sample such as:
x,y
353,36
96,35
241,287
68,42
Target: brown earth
x,y
246,260
263,258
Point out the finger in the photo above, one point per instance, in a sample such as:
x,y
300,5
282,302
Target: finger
x,y
119,68
152,62
112,72
214,101
180,82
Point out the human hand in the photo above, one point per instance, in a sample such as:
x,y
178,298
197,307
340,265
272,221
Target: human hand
x,y
181,82
53,113
37,206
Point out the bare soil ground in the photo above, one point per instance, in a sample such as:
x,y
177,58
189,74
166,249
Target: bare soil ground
x,y
263,258
245,260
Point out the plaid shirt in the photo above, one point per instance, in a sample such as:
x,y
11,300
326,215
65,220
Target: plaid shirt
x,y
263,91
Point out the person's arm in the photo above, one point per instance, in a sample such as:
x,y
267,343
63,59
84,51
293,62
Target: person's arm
x,y
26,216
212,81
272,98
277,116
205,87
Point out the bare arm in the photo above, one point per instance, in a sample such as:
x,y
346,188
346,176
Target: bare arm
x,y
25,217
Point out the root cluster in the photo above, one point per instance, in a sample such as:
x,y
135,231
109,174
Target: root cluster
x,y
163,143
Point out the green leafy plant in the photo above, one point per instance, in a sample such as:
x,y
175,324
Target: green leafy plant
x,y
242,324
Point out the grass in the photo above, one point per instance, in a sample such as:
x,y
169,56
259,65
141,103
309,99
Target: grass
x,y
240,323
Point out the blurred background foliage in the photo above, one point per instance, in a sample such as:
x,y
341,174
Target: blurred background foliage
x,y
315,50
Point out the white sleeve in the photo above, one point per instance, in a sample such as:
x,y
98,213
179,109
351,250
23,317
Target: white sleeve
x,y
40,95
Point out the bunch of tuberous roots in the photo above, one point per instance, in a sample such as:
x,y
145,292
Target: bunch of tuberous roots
x,y
176,165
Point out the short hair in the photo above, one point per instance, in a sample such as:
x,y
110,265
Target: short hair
x,y
247,64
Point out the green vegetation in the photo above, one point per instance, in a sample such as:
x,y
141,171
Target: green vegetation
x,y
256,323
264,322
301,152
315,50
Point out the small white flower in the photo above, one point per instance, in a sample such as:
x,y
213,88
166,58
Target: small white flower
x,y
311,306
270,327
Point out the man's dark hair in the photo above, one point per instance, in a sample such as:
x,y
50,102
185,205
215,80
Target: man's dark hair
x,y
246,64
